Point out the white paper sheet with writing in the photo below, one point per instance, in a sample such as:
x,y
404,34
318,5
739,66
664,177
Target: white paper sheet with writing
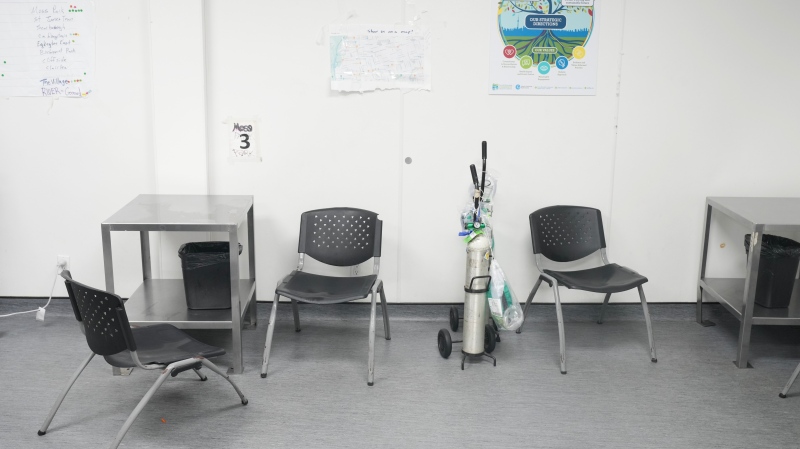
x,y
369,57
46,48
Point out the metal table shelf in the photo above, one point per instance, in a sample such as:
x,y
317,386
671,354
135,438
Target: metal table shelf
x,y
159,301
730,293
164,300
760,216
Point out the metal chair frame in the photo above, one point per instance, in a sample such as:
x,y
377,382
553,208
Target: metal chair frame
x,y
791,381
172,369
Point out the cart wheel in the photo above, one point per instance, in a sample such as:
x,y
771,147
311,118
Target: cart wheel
x,y
445,343
489,339
453,318
496,330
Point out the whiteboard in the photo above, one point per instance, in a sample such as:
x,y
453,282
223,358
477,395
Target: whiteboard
x,y
46,49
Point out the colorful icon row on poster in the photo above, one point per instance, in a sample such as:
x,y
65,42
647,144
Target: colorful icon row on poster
x,y
526,62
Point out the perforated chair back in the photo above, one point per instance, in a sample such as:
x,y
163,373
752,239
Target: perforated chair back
x,y
104,319
340,236
566,233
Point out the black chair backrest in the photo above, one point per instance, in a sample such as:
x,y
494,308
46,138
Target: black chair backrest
x,y
104,319
566,233
340,236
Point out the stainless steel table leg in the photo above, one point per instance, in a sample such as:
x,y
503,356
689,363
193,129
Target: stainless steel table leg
x,y
108,265
252,316
144,237
703,259
147,273
746,324
108,268
744,342
252,319
236,314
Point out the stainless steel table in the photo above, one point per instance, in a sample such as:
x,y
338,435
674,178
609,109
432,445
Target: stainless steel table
x,y
759,216
164,300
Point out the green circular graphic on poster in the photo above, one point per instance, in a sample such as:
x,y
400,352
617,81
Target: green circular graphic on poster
x,y
545,29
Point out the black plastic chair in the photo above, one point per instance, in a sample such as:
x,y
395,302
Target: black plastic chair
x,y
162,347
570,233
343,237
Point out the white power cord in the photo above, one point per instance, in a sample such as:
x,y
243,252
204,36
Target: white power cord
x,y
40,310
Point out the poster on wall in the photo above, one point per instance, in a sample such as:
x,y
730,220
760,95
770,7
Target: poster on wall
x,y
370,57
543,47
46,49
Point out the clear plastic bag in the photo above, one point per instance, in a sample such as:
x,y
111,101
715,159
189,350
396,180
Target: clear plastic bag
x,y
503,304
485,210
489,186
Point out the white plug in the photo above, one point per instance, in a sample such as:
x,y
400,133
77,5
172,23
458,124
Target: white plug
x,y
40,314
62,262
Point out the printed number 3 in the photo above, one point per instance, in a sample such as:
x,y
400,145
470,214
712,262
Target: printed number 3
x,y
245,141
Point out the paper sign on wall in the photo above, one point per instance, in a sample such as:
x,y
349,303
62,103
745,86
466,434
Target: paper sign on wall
x,y
46,49
243,140
369,57
543,47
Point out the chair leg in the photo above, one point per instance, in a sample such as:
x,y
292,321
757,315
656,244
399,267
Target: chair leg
x,y
528,303
561,343
603,308
296,314
200,375
208,364
135,413
386,331
649,326
160,381
268,342
791,381
54,409
371,367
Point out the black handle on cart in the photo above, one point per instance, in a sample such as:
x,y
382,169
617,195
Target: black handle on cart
x,y
472,281
477,187
483,174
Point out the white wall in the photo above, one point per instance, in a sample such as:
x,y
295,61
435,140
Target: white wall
x,y
694,116
68,164
546,150
320,148
704,111
178,91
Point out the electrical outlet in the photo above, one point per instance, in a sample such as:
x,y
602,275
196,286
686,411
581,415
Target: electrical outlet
x,y
62,262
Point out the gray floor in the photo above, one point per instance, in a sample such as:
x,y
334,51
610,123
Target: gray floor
x,y
316,393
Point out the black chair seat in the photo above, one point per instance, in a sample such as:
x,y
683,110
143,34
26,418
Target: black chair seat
x,y
162,344
611,278
319,289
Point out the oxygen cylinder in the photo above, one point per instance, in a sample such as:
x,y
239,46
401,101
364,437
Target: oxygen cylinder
x,y
475,286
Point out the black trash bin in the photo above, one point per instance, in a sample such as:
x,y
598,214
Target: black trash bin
x,y
207,274
777,268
